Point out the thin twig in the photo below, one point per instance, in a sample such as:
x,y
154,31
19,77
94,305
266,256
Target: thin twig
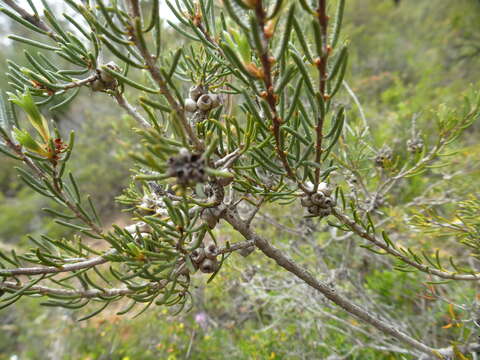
x,y
38,270
131,110
158,77
86,294
398,254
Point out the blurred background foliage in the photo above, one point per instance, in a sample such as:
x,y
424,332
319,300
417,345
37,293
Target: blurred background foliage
x,y
405,61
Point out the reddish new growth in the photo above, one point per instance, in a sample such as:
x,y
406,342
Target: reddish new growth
x,y
59,147
38,85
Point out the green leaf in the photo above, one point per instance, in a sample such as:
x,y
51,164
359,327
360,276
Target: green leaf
x,y
27,141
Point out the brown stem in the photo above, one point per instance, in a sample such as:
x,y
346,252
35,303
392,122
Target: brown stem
x,y
235,247
270,96
158,77
32,19
321,64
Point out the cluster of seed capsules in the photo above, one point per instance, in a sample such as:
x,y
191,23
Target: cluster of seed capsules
x,y
319,203
415,145
188,168
200,100
104,80
384,157
204,258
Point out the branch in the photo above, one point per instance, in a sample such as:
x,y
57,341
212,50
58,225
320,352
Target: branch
x,y
231,216
32,19
86,294
390,250
131,110
237,246
270,96
39,270
157,75
81,82
321,63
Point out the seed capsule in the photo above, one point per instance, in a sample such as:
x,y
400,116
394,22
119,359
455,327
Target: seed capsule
x,y
318,198
140,226
205,102
328,202
190,105
314,209
209,218
211,251
216,100
198,255
208,266
196,91
306,201
325,212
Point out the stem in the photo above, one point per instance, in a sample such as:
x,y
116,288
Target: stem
x,y
270,96
39,270
321,64
237,246
86,294
231,216
78,83
32,19
131,110
354,227
158,77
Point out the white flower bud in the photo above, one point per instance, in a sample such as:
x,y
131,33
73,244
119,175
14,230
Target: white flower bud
x,y
323,187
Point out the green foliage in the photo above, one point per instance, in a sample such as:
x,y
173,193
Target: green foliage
x,y
267,124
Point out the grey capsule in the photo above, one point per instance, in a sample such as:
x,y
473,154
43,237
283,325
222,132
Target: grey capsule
x,y
197,255
205,102
208,266
325,212
211,251
196,91
328,202
183,270
314,209
190,105
318,198
106,77
306,201
210,219
140,227
216,100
